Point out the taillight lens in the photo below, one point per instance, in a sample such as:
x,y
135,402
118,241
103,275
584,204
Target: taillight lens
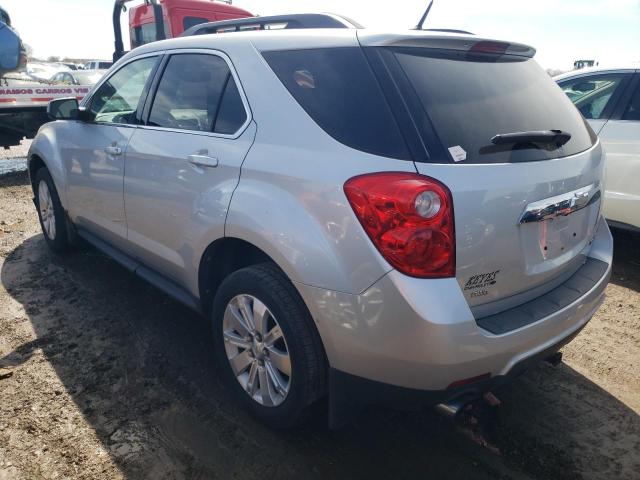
x,y
409,218
486,46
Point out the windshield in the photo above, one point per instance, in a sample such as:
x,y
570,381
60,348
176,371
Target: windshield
x,y
471,100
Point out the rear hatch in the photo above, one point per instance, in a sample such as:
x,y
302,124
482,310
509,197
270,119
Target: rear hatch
x,y
526,204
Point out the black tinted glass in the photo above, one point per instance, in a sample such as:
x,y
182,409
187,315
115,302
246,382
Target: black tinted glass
x,y
471,100
633,108
338,90
197,92
189,22
231,114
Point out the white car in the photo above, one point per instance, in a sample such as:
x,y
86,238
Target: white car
x,y
98,65
44,71
78,77
609,99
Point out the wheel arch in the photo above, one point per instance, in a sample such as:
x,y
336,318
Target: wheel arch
x,y
221,258
45,152
229,254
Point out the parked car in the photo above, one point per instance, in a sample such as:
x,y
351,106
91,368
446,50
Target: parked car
x,y
97,65
610,101
71,66
349,224
44,70
78,77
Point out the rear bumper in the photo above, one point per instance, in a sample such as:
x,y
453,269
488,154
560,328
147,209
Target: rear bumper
x,y
347,389
421,335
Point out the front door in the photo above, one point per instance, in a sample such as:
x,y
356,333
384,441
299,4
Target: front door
x,y
94,154
184,164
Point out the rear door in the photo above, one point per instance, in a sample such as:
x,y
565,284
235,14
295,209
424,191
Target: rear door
x,y
183,165
516,229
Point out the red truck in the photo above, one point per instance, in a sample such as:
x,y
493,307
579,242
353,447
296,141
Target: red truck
x,y
160,19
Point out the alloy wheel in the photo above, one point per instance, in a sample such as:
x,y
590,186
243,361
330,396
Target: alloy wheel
x,y
257,350
47,214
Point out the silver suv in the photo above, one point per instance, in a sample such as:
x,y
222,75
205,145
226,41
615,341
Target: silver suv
x,y
373,217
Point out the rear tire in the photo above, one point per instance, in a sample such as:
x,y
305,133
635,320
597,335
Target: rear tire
x,y
53,219
262,327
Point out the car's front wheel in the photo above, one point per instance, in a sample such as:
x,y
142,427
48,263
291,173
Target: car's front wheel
x,y
52,217
266,345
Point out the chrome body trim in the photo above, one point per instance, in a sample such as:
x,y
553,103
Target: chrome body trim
x,y
561,205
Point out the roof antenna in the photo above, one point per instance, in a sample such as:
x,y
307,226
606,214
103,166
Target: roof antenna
x,y
424,16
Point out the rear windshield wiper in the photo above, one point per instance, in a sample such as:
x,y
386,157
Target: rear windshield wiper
x,y
545,137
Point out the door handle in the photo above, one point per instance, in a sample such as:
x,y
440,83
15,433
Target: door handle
x,y
113,150
203,161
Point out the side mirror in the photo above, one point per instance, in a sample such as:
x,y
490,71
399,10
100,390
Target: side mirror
x,y
11,52
63,109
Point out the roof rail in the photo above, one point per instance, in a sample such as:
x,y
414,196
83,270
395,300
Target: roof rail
x,y
447,30
294,21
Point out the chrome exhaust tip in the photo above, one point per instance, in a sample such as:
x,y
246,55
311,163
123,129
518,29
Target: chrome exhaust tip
x,y
452,408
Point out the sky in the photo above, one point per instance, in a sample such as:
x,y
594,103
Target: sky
x,y
561,30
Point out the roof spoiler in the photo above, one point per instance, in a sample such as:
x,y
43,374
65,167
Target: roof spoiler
x,y
446,41
294,21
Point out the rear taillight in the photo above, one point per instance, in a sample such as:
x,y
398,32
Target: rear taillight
x,y
409,218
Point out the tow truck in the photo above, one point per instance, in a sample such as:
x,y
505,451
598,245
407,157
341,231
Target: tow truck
x,y
24,100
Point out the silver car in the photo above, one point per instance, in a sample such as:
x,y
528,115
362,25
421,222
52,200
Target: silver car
x,y
376,217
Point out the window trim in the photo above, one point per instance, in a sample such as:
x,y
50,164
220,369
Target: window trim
x,y
88,99
167,54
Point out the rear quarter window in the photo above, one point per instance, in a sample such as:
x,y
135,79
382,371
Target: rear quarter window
x,y
338,90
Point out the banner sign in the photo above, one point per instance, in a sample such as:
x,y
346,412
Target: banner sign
x,y
38,95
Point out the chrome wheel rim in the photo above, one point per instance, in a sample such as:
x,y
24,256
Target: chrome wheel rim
x,y
257,350
45,205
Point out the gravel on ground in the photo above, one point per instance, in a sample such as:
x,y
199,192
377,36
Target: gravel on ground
x,y
102,376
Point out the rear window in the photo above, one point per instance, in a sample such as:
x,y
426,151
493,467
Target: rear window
x,y
470,100
338,90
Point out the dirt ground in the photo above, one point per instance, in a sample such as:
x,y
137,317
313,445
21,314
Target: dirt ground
x,y
101,376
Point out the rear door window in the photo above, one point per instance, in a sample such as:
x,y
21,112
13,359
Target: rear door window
x,y
338,90
198,92
470,99
593,95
